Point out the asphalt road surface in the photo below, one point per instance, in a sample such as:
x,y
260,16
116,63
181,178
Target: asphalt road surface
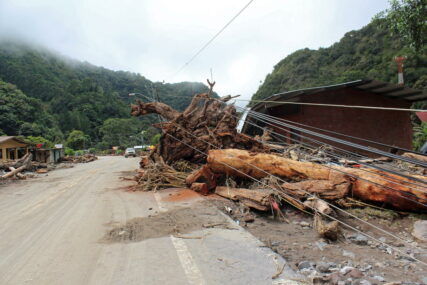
x,y
54,228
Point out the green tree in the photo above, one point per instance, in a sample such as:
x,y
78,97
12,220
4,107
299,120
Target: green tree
x,y
121,132
40,140
408,19
78,140
420,135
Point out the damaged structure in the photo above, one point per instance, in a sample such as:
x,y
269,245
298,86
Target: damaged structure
x,y
394,126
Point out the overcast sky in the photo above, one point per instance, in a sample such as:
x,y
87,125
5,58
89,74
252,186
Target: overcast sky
x,y
156,37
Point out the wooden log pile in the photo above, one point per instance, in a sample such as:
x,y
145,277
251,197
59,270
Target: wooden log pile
x,y
17,167
205,134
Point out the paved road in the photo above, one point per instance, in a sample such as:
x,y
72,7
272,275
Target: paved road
x,y
53,228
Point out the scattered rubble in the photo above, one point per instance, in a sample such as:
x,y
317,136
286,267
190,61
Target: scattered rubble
x,y
13,170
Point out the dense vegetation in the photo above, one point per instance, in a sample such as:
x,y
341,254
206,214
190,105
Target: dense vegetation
x,y
52,96
366,53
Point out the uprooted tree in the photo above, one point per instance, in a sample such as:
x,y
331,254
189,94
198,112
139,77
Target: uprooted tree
x,y
205,133
205,124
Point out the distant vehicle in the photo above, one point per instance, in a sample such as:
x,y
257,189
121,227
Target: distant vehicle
x,y
130,152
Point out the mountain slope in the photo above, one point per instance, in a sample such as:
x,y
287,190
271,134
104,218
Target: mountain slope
x,y
78,95
365,53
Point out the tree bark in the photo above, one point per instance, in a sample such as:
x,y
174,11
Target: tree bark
x,y
258,199
329,181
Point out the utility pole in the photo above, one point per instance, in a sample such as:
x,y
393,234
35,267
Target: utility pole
x,y
399,61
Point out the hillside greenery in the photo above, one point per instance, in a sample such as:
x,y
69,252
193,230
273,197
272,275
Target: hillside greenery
x,y
45,94
366,53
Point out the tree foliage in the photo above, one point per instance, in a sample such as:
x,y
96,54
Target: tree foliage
x,y
40,140
408,19
78,140
62,95
121,132
22,115
366,53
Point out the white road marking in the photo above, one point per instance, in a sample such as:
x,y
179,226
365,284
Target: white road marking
x,y
192,271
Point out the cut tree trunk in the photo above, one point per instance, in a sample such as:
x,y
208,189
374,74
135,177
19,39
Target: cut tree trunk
x,y
13,171
366,186
259,199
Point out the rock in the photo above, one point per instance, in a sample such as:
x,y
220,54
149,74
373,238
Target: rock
x,y
304,265
364,282
355,273
304,224
306,271
379,278
424,279
348,254
322,267
346,269
321,244
359,239
420,230
335,277
366,268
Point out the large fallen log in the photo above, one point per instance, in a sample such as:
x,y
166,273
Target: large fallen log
x,y
257,199
396,192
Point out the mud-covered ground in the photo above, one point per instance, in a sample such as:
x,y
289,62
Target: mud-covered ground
x,y
354,258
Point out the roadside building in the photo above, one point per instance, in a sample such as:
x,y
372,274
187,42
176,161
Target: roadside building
x,y
48,155
389,127
12,148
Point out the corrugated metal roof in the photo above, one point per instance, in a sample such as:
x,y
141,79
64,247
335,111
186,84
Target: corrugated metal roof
x,y
374,86
6,138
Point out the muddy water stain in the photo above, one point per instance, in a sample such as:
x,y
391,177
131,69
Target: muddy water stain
x,y
174,222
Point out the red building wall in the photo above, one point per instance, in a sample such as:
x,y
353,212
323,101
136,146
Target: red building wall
x,y
389,127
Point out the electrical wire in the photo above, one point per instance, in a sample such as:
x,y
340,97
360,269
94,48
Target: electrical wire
x,y
351,137
290,197
335,105
354,145
375,183
268,121
212,39
284,181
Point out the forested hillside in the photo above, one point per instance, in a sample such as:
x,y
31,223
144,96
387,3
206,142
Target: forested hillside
x,y
365,53
71,95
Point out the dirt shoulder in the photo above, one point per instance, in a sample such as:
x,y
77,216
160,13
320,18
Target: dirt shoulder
x,y
353,259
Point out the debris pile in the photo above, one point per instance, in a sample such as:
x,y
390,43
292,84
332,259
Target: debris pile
x,y
205,136
16,167
80,159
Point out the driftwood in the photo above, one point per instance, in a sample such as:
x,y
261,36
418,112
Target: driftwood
x,y
201,188
365,186
418,157
203,175
25,163
17,163
257,199
205,124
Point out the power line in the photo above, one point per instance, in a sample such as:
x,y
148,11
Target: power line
x,y
336,105
329,216
212,39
